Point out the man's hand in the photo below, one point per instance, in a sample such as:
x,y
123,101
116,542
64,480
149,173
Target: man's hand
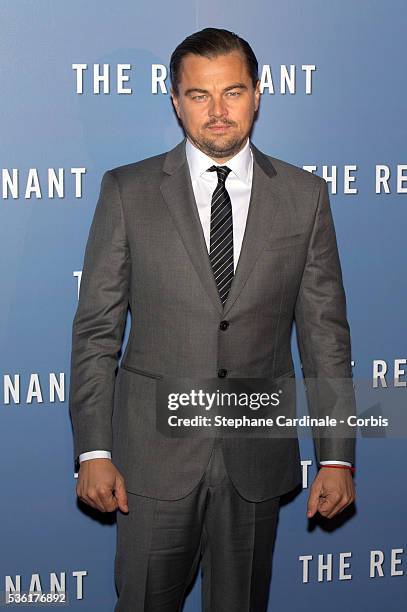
x,y
331,491
101,485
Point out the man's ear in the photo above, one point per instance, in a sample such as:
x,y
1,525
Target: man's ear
x,y
174,100
257,95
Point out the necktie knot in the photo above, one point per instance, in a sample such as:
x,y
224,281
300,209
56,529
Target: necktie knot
x,y
222,172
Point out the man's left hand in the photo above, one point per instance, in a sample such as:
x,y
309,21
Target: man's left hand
x,y
331,491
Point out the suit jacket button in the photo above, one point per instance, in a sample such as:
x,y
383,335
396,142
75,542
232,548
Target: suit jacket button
x,y
223,325
222,373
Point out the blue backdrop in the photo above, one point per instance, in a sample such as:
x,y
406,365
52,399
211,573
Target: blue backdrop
x,y
350,113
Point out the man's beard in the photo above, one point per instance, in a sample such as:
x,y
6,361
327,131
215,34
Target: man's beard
x,y
218,149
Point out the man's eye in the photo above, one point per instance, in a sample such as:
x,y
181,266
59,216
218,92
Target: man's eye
x,y
234,94
199,97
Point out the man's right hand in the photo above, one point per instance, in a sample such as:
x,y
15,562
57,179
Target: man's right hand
x,y
101,485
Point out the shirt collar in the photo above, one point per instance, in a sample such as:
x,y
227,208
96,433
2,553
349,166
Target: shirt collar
x,y
199,162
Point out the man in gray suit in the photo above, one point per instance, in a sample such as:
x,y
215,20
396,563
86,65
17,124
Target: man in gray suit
x,y
216,248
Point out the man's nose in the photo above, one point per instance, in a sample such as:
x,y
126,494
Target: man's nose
x,y
217,107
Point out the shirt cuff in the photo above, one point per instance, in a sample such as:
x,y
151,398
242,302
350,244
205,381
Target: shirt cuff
x,y
335,463
97,454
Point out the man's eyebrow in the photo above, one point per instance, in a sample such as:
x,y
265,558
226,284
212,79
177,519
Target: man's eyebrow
x,y
205,91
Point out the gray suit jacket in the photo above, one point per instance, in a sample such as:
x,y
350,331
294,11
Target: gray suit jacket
x,y
146,250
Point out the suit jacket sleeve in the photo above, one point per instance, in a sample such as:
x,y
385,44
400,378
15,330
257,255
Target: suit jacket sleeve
x,y
98,325
324,337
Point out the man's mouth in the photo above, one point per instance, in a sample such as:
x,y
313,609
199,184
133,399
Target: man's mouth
x,y
218,127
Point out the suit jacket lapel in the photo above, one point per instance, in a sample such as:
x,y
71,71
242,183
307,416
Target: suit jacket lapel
x,y
265,199
178,194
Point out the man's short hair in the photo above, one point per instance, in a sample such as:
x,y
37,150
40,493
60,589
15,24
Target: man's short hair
x,y
211,42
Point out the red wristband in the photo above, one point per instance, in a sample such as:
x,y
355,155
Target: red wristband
x,y
341,467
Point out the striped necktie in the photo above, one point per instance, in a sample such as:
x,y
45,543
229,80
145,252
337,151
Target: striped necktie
x,y
221,236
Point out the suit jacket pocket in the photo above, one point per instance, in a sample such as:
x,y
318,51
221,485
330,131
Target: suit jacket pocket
x,y
290,240
289,374
141,372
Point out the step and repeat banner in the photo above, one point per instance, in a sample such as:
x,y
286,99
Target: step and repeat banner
x,y
85,88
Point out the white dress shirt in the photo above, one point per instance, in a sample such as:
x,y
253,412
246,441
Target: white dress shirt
x,y
239,185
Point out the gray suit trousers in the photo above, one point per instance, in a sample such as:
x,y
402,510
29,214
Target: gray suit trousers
x,y
160,544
